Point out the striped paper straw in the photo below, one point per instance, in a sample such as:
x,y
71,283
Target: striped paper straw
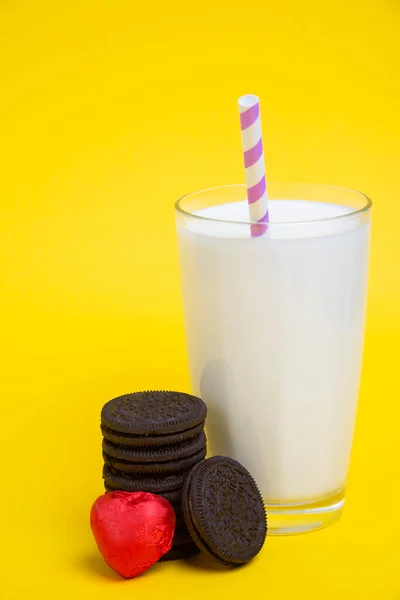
x,y
250,125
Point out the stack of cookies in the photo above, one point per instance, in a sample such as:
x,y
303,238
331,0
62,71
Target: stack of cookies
x,y
151,440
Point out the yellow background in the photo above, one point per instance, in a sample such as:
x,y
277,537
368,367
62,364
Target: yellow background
x,y
109,111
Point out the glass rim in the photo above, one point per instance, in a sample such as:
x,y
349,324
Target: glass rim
x,y
351,214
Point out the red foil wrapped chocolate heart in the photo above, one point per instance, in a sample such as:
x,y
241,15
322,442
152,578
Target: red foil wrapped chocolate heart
x,y
133,530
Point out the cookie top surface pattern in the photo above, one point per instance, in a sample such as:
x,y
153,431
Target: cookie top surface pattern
x,y
227,510
153,413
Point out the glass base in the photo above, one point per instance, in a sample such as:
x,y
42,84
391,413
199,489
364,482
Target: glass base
x,y
289,519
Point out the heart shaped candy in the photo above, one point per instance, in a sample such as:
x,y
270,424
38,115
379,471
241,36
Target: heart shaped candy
x,y
133,530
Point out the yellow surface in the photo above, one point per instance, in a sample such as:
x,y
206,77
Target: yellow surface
x,y
109,111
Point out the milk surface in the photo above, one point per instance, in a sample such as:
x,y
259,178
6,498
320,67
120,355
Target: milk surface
x,y
275,328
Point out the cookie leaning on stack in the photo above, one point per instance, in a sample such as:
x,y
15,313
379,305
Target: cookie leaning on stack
x,y
151,440
224,511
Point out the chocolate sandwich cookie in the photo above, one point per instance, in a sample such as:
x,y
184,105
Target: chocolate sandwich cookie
x,y
174,496
224,510
160,454
153,413
181,535
177,508
124,439
182,551
155,485
152,468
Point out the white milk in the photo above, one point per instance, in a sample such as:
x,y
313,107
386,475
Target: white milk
x,y
275,330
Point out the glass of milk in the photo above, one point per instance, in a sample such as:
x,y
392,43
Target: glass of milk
x,y
275,331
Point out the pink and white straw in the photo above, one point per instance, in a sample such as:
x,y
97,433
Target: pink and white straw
x,y
256,183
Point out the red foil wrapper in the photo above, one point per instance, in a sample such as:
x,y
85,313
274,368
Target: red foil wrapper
x,y
133,530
